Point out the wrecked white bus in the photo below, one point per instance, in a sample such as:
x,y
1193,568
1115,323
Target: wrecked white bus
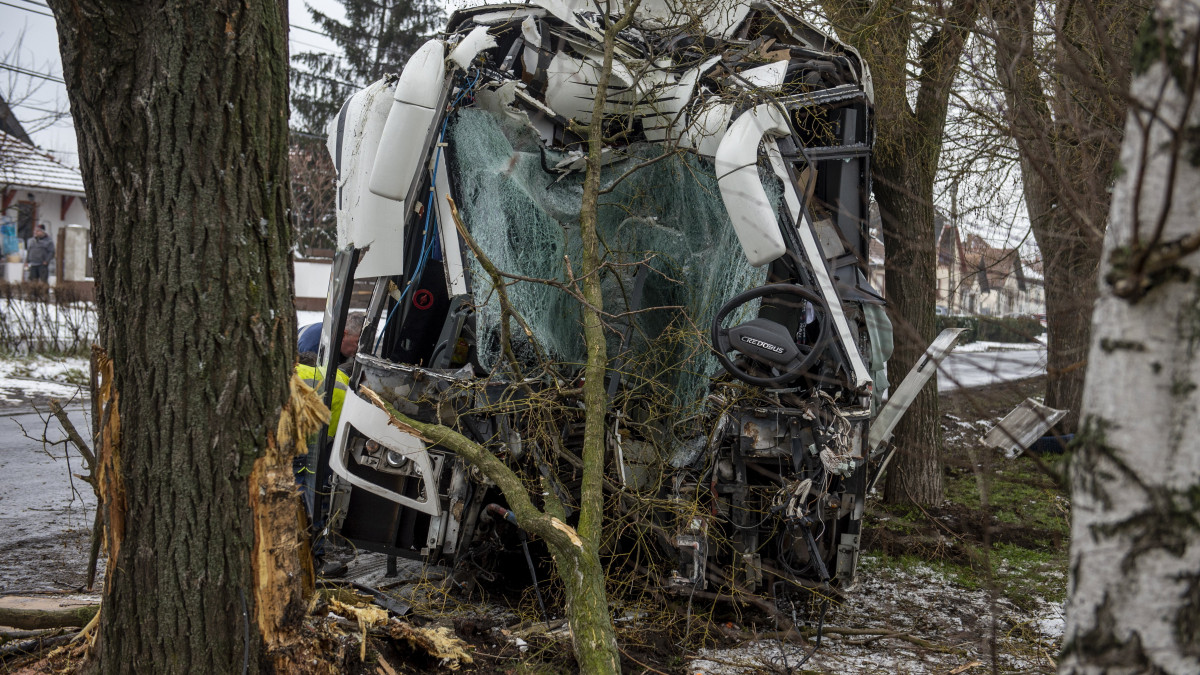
x,y
746,345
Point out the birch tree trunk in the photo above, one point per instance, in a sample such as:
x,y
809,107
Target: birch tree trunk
x,y
1134,603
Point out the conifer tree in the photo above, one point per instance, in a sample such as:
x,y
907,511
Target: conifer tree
x,y
376,38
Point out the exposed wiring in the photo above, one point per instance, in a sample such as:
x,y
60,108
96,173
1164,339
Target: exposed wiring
x,y
825,602
427,241
820,632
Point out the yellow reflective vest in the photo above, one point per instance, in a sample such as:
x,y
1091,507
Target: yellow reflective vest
x,y
313,376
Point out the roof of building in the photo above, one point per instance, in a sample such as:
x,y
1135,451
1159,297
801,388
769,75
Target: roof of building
x,y
977,260
875,221
9,123
25,166
992,266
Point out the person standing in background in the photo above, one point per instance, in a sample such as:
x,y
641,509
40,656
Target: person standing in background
x,y
39,253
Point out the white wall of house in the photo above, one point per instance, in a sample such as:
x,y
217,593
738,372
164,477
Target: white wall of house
x,y
49,209
50,214
948,291
1007,300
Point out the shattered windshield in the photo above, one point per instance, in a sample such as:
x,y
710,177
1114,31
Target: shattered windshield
x,y
673,257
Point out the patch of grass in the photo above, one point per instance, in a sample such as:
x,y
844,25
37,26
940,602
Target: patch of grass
x,y
1023,494
1024,575
76,377
1026,527
28,366
1029,529
898,518
962,575
960,487
1019,494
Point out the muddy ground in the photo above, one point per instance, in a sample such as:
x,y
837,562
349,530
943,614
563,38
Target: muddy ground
x,y
956,589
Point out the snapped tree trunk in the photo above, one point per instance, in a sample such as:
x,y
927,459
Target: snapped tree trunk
x,y
576,560
181,113
576,551
1134,604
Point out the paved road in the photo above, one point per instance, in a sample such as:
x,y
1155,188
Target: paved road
x,y
976,369
45,525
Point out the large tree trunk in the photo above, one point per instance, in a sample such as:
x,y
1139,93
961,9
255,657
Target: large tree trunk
x,y
1070,282
906,212
1134,603
907,150
1067,144
181,113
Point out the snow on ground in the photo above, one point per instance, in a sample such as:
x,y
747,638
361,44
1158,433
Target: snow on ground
x,y
14,391
25,378
305,318
27,326
65,369
916,601
978,368
985,346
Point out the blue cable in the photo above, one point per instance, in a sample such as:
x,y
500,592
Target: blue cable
x,y
426,241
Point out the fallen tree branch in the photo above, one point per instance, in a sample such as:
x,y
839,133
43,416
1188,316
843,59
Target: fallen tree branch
x,y
94,550
645,668
878,634
28,647
90,457
9,635
34,619
871,634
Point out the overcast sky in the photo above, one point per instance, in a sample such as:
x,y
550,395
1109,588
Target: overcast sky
x,y
38,53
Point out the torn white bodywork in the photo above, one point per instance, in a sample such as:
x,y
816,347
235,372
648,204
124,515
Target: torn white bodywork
x,y
373,422
1018,430
408,121
906,393
365,219
745,198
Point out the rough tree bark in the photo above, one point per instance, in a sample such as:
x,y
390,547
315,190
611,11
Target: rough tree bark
x,y
181,113
1134,604
1068,139
907,149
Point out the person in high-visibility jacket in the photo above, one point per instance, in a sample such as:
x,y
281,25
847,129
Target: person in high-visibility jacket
x,y
312,376
305,478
